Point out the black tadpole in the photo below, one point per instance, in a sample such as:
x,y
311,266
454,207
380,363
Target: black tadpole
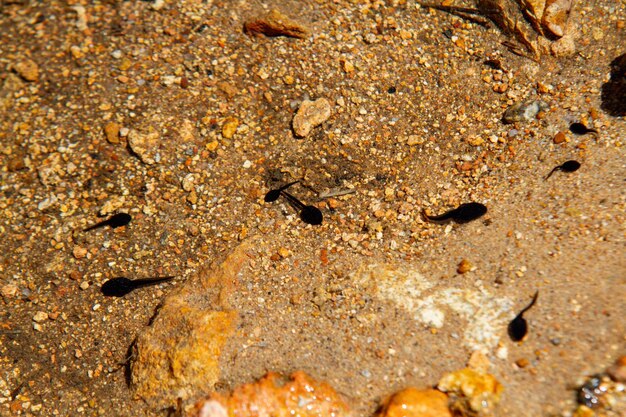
x,y
115,221
120,286
580,129
567,166
462,214
308,214
273,195
518,327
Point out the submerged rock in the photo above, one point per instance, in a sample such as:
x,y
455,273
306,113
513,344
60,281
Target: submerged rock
x,y
474,392
275,395
178,355
412,402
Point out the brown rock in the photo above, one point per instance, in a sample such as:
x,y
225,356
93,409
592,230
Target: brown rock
x,y
412,402
112,132
275,395
464,266
276,24
178,355
309,115
27,69
559,138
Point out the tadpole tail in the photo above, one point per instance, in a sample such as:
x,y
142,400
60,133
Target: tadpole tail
x,y
552,172
532,303
97,225
297,204
441,219
151,281
284,187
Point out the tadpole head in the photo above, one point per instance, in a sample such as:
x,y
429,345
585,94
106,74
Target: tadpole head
x,y
570,166
117,287
468,212
311,215
119,220
517,329
272,195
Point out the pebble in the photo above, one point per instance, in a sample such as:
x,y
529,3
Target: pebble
x,y
309,115
524,111
8,290
187,182
559,138
145,145
464,266
112,132
84,285
79,252
230,127
415,140
27,69
40,316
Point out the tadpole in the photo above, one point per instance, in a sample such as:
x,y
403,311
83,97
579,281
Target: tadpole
x,y
567,166
115,221
120,286
273,195
580,129
308,214
518,327
462,214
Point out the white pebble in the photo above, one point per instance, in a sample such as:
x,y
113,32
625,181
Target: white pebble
x,y
247,164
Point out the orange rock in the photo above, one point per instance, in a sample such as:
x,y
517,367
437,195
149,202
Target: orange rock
x,y
178,355
275,395
412,402
559,138
480,391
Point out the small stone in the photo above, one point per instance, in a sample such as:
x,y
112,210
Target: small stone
x,y
112,132
412,402
522,362
188,182
27,69
84,285
524,111
9,290
348,66
230,127
40,316
276,24
464,266
192,198
415,140
309,115
79,252
145,145
559,138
